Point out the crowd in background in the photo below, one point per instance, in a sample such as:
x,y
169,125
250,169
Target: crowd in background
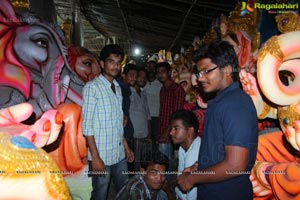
x,y
162,115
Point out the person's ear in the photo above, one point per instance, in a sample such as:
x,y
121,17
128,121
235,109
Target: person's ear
x,y
101,64
227,70
191,131
143,171
170,73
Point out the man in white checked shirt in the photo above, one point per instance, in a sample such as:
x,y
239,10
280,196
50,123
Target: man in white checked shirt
x,y
102,124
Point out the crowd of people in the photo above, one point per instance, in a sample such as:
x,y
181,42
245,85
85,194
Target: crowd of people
x,y
171,128
145,136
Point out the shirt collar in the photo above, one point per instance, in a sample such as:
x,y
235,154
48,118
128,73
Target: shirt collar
x,y
107,82
193,143
172,85
223,93
149,192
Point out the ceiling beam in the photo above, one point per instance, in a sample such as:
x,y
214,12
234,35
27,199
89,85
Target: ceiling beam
x,y
182,25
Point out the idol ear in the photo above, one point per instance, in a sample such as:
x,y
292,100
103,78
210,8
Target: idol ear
x,y
7,14
244,54
8,62
280,53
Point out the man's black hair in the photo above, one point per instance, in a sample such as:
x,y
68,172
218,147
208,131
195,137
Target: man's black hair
x,y
130,67
111,49
221,53
152,157
142,69
188,118
165,65
151,61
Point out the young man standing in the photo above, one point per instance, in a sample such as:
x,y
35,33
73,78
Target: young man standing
x,y
126,92
184,129
229,142
140,117
102,124
172,98
152,89
129,76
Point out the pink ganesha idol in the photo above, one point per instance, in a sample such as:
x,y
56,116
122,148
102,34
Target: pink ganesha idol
x,y
276,174
27,171
33,62
84,67
35,69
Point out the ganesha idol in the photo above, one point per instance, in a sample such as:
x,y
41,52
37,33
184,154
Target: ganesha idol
x,y
276,173
240,40
84,67
34,69
71,152
33,62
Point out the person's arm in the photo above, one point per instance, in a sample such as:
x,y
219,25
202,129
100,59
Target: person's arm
x,y
180,97
88,111
125,120
125,102
169,189
233,165
97,162
128,151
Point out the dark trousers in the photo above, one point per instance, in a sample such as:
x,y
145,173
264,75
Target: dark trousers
x,y
154,129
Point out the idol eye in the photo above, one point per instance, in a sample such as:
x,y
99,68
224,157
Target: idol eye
x,y
42,42
87,63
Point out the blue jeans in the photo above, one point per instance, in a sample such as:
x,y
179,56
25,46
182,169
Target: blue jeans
x,y
167,150
101,183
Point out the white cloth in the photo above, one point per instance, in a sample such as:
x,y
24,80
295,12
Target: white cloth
x,y
152,90
139,113
187,159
